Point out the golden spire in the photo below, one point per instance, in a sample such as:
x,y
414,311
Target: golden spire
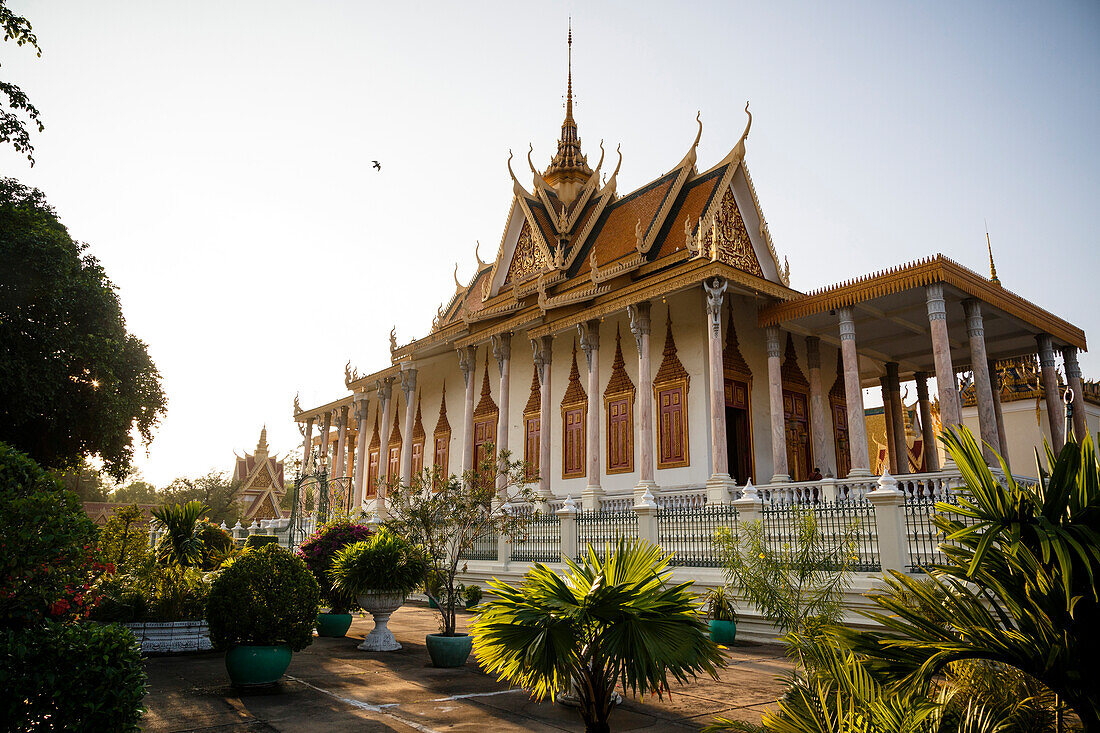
x,y
992,267
568,169
569,76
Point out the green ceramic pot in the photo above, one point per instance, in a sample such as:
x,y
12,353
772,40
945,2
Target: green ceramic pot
x,y
723,632
252,665
335,625
432,603
449,651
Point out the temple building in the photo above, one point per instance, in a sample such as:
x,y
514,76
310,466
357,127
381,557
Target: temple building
x,y
650,340
261,478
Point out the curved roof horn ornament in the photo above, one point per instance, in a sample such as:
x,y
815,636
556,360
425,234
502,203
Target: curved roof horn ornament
x,y
738,152
517,186
691,155
611,182
477,253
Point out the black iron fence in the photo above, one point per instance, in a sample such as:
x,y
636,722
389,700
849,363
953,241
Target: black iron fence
x,y
602,528
484,546
689,533
925,538
540,540
846,528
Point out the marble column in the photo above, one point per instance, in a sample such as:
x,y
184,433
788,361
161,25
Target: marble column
x,y
1073,381
719,485
502,353
853,397
941,353
322,448
983,390
384,393
542,353
467,362
780,473
341,442
408,388
361,402
897,415
928,435
589,334
1051,395
640,326
998,411
818,411
888,418
307,450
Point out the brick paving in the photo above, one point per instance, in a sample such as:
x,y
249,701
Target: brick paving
x,y
332,686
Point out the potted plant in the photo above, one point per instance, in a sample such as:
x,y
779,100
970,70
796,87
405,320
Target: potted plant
x,y
261,609
445,516
318,553
722,615
379,572
472,595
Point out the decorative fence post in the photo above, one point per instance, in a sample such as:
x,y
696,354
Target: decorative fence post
x,y
504,544
238,531
254,528
568,516
889,503
828,490
749,505
646,509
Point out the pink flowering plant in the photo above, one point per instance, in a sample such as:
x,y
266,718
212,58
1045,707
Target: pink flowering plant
x,y
318,552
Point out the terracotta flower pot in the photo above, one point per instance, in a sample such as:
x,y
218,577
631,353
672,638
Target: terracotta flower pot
x,y
380,604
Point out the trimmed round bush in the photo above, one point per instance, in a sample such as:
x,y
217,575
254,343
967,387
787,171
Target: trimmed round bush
x,y
319,551
266,596
473,595
386,562
217,545
70,677
260,540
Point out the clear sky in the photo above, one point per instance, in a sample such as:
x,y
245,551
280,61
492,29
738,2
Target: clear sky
x,y
216,156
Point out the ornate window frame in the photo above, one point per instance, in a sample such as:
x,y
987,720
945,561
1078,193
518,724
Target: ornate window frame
x,y
671,378
574,401
620,391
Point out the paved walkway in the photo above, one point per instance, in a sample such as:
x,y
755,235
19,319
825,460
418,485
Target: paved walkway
x,y
332,686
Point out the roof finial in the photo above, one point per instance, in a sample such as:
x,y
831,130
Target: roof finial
x,y
992,267
569,84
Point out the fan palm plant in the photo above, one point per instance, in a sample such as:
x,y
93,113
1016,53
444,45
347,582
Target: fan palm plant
x,y
605,622
181,545
1019,587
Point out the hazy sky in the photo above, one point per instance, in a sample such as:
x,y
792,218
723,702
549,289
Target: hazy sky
x,y
216,156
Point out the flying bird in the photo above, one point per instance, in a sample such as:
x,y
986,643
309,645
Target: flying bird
x,y
377,165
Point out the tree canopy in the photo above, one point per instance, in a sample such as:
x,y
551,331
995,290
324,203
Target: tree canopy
x,y
73,381
13,129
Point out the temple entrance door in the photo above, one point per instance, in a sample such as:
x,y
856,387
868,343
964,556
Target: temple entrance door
x,y
797,422
738,431
843,450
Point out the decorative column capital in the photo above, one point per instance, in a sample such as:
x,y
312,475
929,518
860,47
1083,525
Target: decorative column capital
x,y
541,354
502,349
1069,359
467,360
847,324
383,389
973,310
937,307
589,333
772,336
342,416
813,352
715,289
408,382
1046,350
639,320
921,378
892,372
360,402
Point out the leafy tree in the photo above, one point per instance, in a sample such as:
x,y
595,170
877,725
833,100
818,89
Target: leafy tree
x,y
446,516
73,381
606,621
86,481
215,490
13,129
124,541
1020,586
135,492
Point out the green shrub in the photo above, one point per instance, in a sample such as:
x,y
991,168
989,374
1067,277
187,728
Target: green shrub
x,y
259,540
47,545
386,562
318,552
472,594
719,605
70,677
217,545
124,541
266,596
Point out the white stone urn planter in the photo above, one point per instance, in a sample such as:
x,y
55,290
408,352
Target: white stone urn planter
x,y
172,636
380,604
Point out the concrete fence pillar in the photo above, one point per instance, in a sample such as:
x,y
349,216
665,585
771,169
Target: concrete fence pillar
x,y
504,544
568,516
889,503
828,489
646,509
749,507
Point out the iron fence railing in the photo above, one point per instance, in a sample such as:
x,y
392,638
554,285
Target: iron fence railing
x,y
484,546
923,537
847,527
600,529
689,533
540,540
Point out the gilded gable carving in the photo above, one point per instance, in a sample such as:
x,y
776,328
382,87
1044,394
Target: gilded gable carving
x,y
528,258
731,239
